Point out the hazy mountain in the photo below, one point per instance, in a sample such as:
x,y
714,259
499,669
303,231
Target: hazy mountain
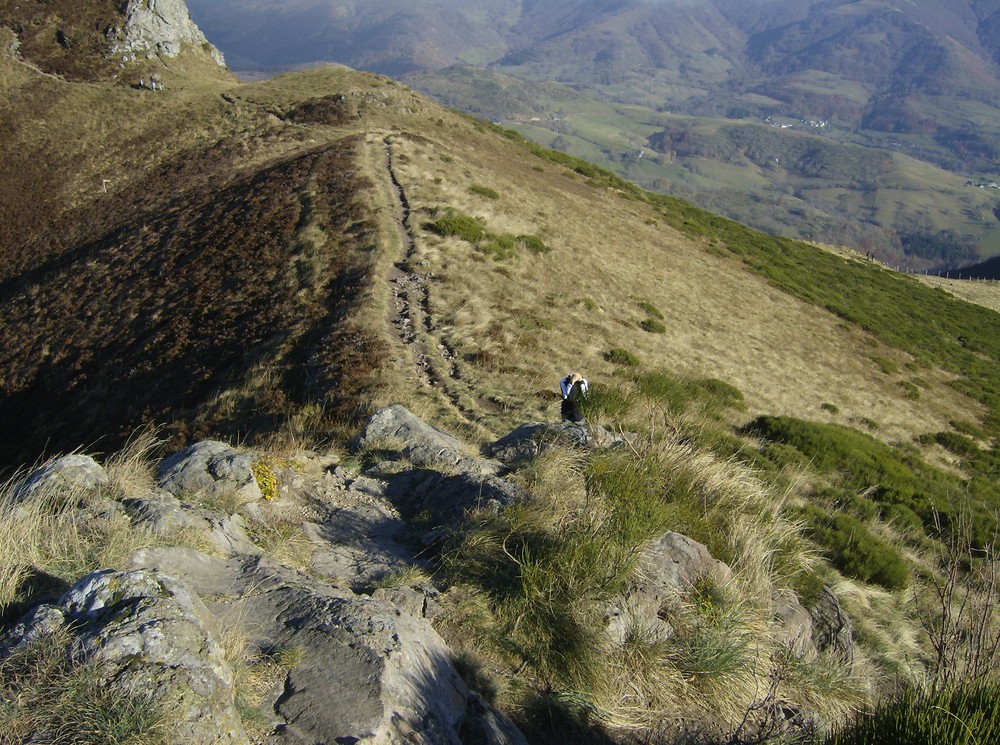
x,y
911,79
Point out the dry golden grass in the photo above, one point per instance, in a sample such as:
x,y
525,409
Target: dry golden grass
x,y
524,324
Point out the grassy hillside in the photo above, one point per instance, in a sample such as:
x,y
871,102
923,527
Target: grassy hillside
x,y
785,176
270,262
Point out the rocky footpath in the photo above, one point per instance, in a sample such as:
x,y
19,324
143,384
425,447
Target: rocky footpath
x,y
340,616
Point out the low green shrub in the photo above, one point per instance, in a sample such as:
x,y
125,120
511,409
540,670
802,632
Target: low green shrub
x,y
499,247
887,474
711,394
623,357
953,442
653,326
484,191
460,225
854,550
887,366
651,310
534,244
832,408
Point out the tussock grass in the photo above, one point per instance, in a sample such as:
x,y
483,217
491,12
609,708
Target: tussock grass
x,y
542,572
48,543
51,695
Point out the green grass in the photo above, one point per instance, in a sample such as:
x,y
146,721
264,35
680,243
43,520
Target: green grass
x,y
623,357
653,326
968,714
501,247
891,476
484,191
854,550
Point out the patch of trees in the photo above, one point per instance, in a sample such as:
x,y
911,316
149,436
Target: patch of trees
x,y
944,249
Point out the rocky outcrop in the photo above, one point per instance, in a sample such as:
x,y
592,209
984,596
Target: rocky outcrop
x,y
530,440
75,472
157,28
151,637
356,604
212,469
370,670
396,428
832,629
793,626
670,566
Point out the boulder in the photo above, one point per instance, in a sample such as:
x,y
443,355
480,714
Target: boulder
x,y
668,567
150,636
424,446
793,626
212,469
832,628
529,440
74,472
157,28
449,498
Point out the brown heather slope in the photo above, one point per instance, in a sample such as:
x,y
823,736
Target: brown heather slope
x,y
260,260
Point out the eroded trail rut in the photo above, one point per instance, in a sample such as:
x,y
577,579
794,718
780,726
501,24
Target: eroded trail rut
x,y
410,315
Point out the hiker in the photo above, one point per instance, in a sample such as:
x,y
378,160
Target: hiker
x,y
574,387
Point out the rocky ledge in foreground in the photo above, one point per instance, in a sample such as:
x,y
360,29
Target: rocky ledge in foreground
x,y
334,624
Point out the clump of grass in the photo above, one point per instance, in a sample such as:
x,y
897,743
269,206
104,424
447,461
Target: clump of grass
x,y
653,326
966,714
534,244
49,694
651,310
405,577
484,191
885,365
831,408
711,395
623,357
606,402
255,672
50,540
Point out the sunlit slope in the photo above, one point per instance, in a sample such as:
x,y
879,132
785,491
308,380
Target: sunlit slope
x,y
235,258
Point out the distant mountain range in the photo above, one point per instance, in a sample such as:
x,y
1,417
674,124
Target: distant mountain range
x,y
915,78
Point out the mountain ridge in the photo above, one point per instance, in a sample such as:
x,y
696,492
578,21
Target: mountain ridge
x,y
914,79
788,450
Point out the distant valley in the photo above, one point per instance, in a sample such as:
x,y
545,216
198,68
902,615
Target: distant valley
x,y
868,124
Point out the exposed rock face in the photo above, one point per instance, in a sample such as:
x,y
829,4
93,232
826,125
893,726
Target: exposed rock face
x,y
793,626
422,444
832,628
151,636
669,566
209,468
530,440
370,670
158,28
